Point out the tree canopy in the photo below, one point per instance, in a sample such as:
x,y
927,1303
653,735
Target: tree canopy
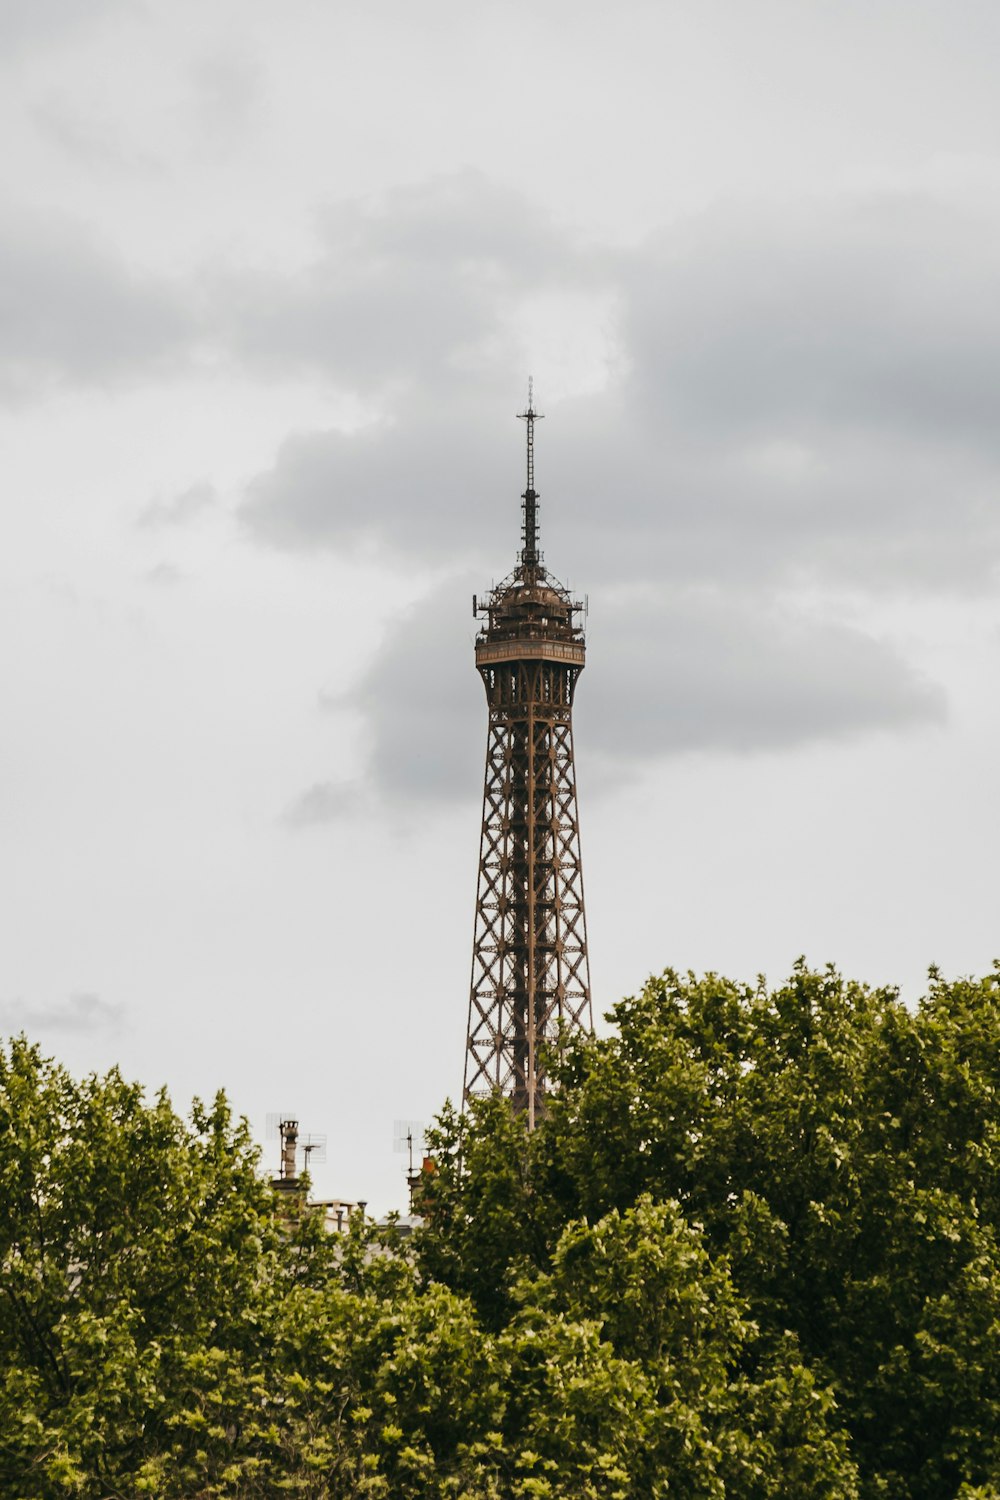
x,y
750,1252
837,1154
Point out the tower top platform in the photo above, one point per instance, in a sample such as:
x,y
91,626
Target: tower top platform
x,y
529,615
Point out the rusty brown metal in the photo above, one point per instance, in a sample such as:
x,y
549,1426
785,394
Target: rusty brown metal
x,y
530,971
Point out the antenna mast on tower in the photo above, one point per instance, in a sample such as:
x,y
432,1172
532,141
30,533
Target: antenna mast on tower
x,y
530,555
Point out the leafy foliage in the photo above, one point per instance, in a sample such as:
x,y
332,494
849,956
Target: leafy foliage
x,y
750,1252
841,1154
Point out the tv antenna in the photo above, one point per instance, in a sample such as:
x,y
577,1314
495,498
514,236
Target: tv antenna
x,y
313,1145
283,1125
405,1135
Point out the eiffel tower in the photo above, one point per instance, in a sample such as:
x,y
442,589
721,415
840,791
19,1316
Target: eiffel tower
x,y
530,973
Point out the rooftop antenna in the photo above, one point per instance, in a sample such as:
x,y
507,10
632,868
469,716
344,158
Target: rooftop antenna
x,y
530,556
313,1145
405,1135
283,1125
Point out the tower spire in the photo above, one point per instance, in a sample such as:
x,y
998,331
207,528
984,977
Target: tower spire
x,y
530,555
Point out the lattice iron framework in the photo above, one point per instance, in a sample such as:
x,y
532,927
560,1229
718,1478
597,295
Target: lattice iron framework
x,y
530,973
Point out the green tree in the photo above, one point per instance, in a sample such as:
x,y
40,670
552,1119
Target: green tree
x,y
750,1252
166,1330
839,1151
132,1248
629,1371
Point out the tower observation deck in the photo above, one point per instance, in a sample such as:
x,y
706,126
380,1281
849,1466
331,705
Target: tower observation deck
x,y
530,972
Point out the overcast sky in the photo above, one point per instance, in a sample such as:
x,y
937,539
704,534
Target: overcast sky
x,y
272,280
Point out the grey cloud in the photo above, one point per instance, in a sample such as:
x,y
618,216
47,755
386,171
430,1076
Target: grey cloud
x,y
88,139
324,802
408,295
229,90
82,1012
410,291
25,23
423,704
619,501
72,311
803,397
721,475
807,395
702,670
413,488
804,394
163,575
705,669
819,386
409,298
175,510
880,313
840,507
417,702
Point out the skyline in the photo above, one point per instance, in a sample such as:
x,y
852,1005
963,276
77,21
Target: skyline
x,y
273,288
